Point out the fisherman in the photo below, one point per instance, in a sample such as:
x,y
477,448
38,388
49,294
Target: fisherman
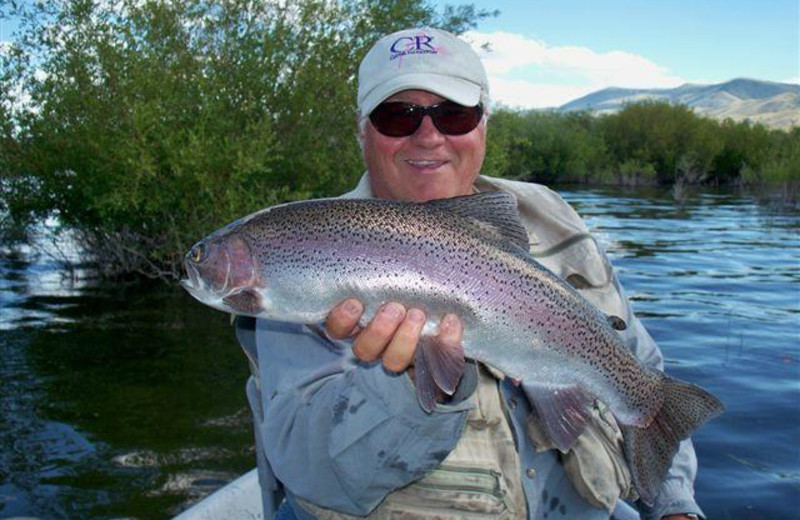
x,y
339,431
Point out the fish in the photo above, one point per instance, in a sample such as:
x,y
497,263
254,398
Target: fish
x,y
468,256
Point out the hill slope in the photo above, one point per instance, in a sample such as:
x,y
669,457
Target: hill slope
x,y
776,105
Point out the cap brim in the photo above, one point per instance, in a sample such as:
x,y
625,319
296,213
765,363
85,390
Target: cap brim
x,y
459,90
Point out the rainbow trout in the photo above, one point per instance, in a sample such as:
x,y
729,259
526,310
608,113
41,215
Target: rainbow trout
x,y
468,256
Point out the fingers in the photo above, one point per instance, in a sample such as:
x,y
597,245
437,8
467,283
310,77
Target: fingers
x,y
393,334
450,330
371,342
343,319
399,354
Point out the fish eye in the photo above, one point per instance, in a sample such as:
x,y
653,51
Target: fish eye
x,y
197,253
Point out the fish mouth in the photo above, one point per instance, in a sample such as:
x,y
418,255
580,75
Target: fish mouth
x,y
198,289
233,290
192,283
238,300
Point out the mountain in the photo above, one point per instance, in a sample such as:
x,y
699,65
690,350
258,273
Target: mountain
x,y
775,105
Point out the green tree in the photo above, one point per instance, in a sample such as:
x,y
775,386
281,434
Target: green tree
x,y
745,147
544,146
145,125
669,140
779,167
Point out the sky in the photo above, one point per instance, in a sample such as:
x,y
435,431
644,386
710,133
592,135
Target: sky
x,y
545,53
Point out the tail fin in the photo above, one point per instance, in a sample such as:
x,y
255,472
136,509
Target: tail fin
x,y
649,451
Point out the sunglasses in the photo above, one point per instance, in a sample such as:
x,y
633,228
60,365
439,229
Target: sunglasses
x,y
397,119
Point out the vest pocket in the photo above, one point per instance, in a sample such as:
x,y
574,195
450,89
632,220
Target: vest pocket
x,y
451,492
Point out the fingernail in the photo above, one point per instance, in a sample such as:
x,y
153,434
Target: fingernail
x,y
393,310
352,307
415,316
449,323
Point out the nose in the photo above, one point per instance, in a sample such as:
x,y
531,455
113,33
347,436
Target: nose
x,y
427,134
196,253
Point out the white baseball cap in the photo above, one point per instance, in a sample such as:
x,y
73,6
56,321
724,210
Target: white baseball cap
x,y
425,59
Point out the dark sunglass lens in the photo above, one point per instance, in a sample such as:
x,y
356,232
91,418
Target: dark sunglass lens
x,y
396,119
454,119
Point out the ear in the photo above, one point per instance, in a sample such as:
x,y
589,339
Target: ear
x,y
361,125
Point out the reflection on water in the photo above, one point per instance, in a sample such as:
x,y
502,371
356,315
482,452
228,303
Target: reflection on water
x,y
715,279
128,401
118,401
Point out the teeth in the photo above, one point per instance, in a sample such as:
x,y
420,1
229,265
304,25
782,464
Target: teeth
x,y
424,163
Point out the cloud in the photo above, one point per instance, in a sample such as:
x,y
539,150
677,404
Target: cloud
x,y
529,73
529,94
795,80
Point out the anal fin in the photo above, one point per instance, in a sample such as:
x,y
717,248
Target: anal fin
x,y
562,412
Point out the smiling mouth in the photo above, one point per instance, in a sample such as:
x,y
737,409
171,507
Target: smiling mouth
x,y
425,164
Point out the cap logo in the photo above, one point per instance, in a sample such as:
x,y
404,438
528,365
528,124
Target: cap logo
x,y
406,45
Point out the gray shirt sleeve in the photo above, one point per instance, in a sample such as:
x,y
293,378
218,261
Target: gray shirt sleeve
x,y
339,433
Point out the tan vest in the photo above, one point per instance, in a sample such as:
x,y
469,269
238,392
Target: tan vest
x,y
479,479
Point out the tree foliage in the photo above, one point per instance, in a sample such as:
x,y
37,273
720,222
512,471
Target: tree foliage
x,y
548,146
145,125
645,143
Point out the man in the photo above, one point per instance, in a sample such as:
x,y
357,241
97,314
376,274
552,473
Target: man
x,y
339,431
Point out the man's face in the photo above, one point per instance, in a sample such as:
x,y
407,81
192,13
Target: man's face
x,y
425,165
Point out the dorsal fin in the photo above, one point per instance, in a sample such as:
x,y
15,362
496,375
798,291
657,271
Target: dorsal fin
x,y
497,209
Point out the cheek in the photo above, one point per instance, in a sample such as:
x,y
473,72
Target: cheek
x,y
242,267
380,150
471,150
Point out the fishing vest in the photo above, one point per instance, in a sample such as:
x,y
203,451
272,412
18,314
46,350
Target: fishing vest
x,y
479,479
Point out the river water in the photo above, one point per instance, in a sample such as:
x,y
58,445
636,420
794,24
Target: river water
x,y
127,401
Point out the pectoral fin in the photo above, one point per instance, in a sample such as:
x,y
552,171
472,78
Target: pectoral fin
x,y
439,367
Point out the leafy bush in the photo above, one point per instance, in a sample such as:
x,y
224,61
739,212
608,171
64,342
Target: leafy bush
x,y
146,125
544,146
645,143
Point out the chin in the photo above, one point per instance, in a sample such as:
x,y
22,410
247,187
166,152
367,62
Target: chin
x,y
431,193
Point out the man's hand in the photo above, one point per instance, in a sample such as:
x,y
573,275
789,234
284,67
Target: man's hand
x,y
391,336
